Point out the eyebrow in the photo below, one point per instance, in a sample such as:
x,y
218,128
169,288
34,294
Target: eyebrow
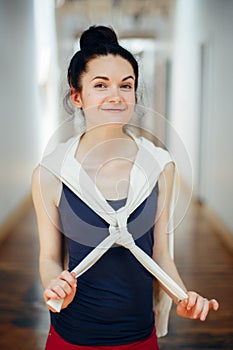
x,y
107,79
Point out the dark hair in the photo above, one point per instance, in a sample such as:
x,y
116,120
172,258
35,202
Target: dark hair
x,y
97,41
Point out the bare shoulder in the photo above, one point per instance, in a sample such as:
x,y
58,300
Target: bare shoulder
x,y
44,182
169,169
167,176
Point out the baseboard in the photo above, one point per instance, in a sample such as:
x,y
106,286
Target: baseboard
x,y
15,217
220,229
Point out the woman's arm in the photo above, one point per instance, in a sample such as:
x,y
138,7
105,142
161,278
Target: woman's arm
x,y
195,306
57,282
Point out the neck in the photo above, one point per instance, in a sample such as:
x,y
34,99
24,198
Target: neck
x,y
99,139
104,133
98,145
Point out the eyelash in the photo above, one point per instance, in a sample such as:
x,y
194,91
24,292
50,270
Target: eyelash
x,y
100,85
127,86
103,86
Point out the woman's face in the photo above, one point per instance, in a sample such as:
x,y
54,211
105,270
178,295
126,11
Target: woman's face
x,y
108,94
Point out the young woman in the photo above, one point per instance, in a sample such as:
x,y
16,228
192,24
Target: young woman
x,y
110,306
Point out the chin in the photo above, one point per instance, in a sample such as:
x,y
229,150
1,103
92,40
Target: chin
x,y
118,121
115,125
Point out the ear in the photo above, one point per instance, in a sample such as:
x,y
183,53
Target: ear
x,y
75,97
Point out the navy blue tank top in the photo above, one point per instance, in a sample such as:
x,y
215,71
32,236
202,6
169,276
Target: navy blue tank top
x,y
113,304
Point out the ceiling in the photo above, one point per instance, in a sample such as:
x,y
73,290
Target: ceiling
x,y
150,19
130,7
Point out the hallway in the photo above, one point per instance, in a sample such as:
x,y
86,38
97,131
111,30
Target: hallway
x,y
185,53
203,262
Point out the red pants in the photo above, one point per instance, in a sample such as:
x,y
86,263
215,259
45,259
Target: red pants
x,y
55,342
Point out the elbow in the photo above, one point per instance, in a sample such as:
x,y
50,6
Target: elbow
x,y
162,257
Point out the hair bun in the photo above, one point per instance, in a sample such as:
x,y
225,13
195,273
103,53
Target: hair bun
x,y
97,35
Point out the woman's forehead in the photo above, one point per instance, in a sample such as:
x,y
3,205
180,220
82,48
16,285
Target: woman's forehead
x,y
110,65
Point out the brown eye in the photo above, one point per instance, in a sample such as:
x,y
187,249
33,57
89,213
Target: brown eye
x,y
126,87
100,86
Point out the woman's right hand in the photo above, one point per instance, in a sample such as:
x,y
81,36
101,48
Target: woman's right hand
x,y
64,287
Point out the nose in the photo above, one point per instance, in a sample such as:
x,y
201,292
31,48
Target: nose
x,y
114,95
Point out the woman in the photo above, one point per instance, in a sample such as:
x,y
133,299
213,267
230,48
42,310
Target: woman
x,y
110,305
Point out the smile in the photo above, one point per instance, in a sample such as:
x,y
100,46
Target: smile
x,y
113,110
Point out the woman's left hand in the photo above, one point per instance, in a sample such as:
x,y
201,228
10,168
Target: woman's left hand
x,y
196,307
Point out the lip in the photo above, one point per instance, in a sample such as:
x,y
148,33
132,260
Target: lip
x,y
113,110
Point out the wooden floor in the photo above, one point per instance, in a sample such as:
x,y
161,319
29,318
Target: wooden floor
x,y
202,260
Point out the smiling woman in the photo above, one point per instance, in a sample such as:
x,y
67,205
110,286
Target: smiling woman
x,y
107,96
110,304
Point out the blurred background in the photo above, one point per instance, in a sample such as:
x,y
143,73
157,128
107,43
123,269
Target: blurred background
x,y
185,53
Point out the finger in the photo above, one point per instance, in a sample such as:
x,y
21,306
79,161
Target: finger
x,y
214,304
49,294
183,302
200,302
69,278
65,287
74,277
59,291
205,310
192,298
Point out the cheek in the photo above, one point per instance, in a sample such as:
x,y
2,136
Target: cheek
x,y
91,100
132,100
96,97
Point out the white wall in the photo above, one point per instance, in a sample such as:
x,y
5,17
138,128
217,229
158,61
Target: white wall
x,y
28,94
18,103
206,22
47,69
